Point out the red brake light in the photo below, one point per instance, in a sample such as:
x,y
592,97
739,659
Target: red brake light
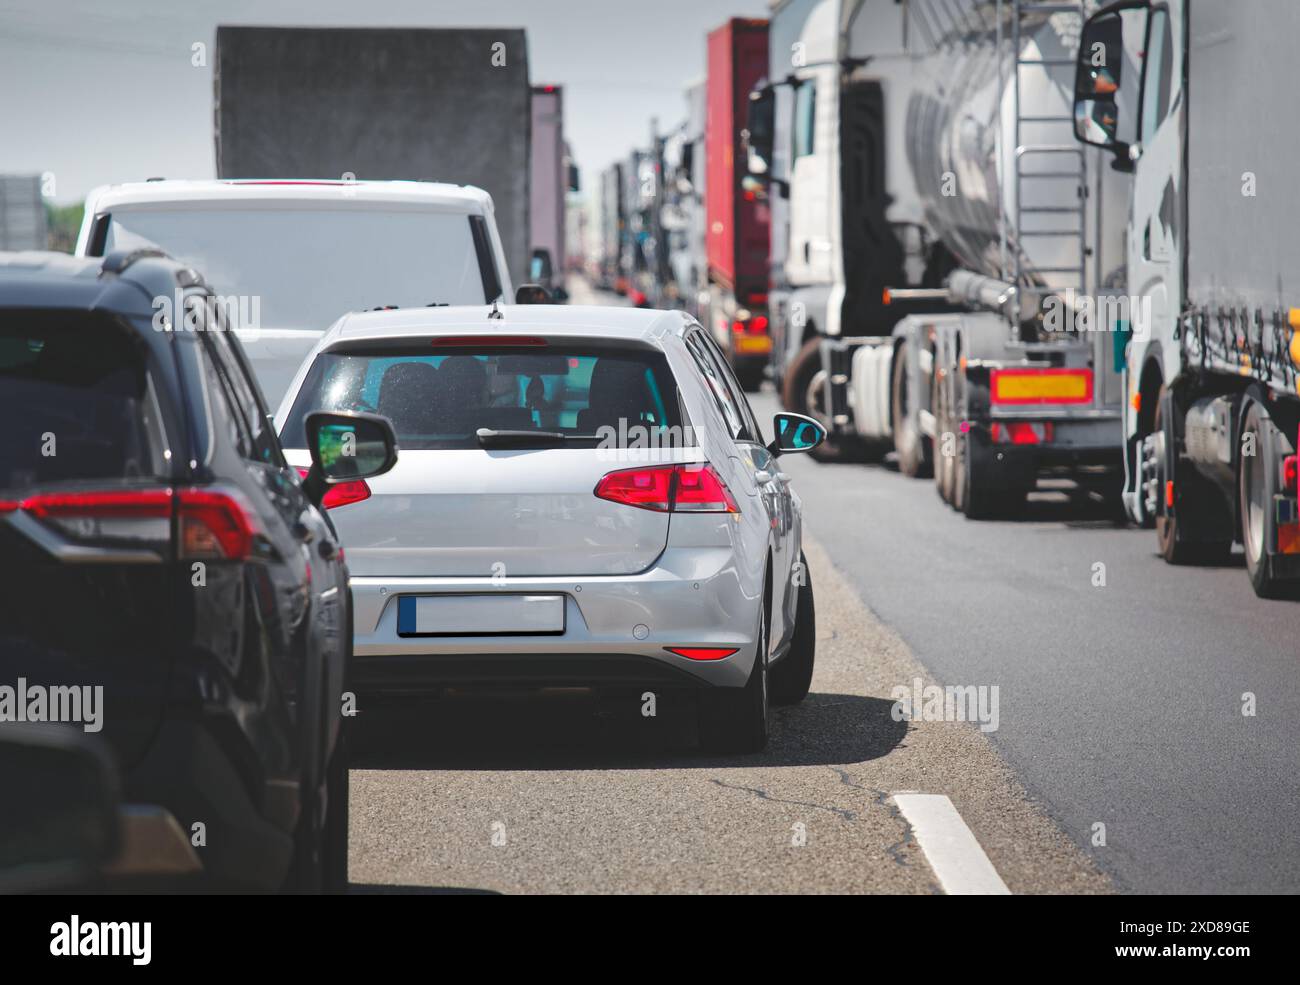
x,y
1021,432
140,516
669,488
214,524
702,652
757,325
1291,474
342,493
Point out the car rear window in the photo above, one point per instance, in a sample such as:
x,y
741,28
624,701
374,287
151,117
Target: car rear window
x,y
593,396
76,400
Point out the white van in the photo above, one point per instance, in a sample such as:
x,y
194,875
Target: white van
x,y
288,258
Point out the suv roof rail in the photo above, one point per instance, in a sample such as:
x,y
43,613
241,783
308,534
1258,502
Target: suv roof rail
x,y
119,260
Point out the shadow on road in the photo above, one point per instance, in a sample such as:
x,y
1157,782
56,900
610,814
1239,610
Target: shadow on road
x,y
541,732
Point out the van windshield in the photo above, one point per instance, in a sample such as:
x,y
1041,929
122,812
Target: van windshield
x,y
301,268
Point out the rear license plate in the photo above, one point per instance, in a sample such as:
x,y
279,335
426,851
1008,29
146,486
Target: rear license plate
x,y
480,615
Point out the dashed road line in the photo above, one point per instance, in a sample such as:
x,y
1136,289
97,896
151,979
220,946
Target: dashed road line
x,y
958,861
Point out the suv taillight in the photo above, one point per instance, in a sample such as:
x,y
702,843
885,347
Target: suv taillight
x,y
211,523
669,489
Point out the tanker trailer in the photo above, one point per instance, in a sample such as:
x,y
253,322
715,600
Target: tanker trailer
x,y
942,300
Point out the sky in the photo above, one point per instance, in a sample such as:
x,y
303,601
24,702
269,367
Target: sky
x,y
100,91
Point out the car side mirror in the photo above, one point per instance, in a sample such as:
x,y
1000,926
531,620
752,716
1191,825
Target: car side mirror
x,y
533,294
794,432
345,447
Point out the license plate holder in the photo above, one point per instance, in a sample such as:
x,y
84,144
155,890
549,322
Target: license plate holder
x,y
481,614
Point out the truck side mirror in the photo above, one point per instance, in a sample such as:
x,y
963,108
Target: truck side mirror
x,y
759,132
1097,78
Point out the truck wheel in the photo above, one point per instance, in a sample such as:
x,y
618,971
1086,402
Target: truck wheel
x,y
797,396
915,452
791,678
1258,483
1174,547
734,719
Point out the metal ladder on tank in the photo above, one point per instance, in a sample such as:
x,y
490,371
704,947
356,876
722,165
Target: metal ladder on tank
x,y
1066,160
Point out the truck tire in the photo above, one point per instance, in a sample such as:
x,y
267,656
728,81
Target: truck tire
x,y
1175,544
914,449
1258,482
792,676
734,719
798,380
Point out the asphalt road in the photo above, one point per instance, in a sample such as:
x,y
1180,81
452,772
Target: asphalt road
x,y
1120,705
567,794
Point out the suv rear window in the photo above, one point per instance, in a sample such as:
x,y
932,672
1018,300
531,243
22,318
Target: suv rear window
x,y
76,399
592,396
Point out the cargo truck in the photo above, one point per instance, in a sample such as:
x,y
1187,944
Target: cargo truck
x,y
613,220
445,105
736,217
943,237
1212,367
552,176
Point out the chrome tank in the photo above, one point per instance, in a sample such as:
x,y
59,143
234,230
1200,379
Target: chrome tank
x,y
961,139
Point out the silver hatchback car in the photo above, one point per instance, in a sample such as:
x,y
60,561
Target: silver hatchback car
x,y
582,498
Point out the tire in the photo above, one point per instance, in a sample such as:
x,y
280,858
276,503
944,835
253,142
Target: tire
x,y
798,379
791,677
335,837
915,453
1257,484
1174,547
734,719
945,470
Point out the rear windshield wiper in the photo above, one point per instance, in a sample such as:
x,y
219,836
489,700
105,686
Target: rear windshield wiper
x,y
491,438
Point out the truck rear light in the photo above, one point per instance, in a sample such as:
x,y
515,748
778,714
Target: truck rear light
x,y
703,652
669,489
139,515
1021,432
754,325
342,493
1290,474
214,524
1049,385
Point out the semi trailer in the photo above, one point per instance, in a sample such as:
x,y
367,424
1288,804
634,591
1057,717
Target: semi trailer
x,y
1212,363
420,104
736,218
551,177
944,242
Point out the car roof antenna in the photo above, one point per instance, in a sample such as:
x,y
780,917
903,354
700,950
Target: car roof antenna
x,y
495,312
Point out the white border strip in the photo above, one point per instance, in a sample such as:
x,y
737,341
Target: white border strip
x,y
956,857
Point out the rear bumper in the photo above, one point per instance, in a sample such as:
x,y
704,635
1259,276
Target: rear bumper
x,y
1077,444
616,631
184,780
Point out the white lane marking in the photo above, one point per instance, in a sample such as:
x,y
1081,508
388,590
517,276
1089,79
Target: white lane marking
x,y
956,857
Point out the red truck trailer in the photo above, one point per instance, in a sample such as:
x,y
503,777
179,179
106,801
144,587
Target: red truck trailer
x,y
737,218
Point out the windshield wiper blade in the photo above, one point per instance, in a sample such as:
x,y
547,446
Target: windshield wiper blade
x,y
491,438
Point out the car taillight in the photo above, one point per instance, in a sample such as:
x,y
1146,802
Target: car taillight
x,y
669,489
125,515
214,524
1020,432
702,652
1291,474
342,493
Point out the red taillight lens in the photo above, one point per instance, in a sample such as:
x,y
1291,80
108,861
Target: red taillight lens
x,y
650,489
214,524
1020,432
757,325
702,652
1291,474
669,488
342,493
